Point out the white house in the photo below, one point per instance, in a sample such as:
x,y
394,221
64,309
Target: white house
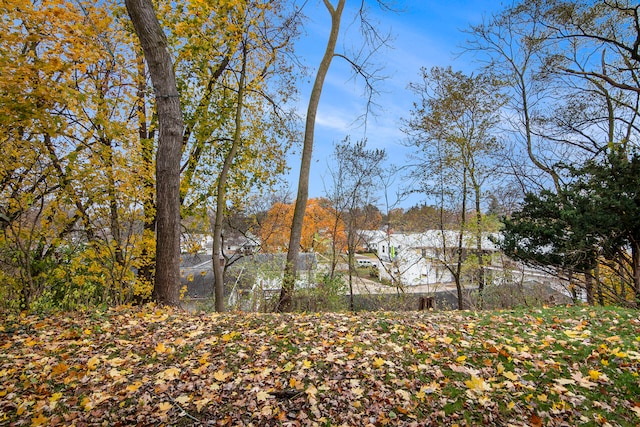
x,y
418,259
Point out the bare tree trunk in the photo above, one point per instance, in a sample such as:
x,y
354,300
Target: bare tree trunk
x,y
588,286
459,255
481,272
155,46
284,303
221,198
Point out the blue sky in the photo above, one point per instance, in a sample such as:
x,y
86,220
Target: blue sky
x,y
426,33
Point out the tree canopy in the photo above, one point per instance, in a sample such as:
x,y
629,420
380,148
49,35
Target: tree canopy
x,y
594,219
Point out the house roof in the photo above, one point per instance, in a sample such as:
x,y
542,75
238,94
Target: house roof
x,y
428,239
306,260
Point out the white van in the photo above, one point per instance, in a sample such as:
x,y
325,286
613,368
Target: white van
x,y
365,263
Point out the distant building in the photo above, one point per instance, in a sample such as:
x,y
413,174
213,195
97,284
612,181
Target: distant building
x,y
232,243
422,261
256,277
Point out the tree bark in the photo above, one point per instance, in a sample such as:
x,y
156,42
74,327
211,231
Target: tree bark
x,y
170,122
290,271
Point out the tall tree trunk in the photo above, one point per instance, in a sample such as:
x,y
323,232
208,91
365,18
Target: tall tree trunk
x,y
596,273
288,281
155,46
221,199
481,272
588,286
459,254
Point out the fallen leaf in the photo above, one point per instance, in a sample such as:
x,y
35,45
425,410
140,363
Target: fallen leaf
x,y
92,363
378,362
221,375
477,384
134,387
169,374
183,399
201,403
511,376
262,396
160,348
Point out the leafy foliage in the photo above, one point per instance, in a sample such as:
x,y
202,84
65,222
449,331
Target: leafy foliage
x,y
593,220
561,366
320,227
70,172
79,135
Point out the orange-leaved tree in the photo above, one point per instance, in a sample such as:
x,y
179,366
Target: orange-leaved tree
x,y
319,229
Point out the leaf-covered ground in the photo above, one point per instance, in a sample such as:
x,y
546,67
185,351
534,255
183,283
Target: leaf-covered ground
x,y
152,366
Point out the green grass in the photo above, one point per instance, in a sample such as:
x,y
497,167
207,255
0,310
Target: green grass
x,y
150,366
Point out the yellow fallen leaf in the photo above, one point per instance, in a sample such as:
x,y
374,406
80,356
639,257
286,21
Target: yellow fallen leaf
x,y
594,375
115,373
164,406
510,375
183,399
202,403
160,348
40,420
571,333
484,401
477,384
59,369
311,391
378,362
204,359
460,359
169,374
306,363
134,387
288,367
221,375
231,335
262,396
92,363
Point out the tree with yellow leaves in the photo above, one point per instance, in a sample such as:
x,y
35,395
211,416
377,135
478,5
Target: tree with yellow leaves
x,y
69,150
228,57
